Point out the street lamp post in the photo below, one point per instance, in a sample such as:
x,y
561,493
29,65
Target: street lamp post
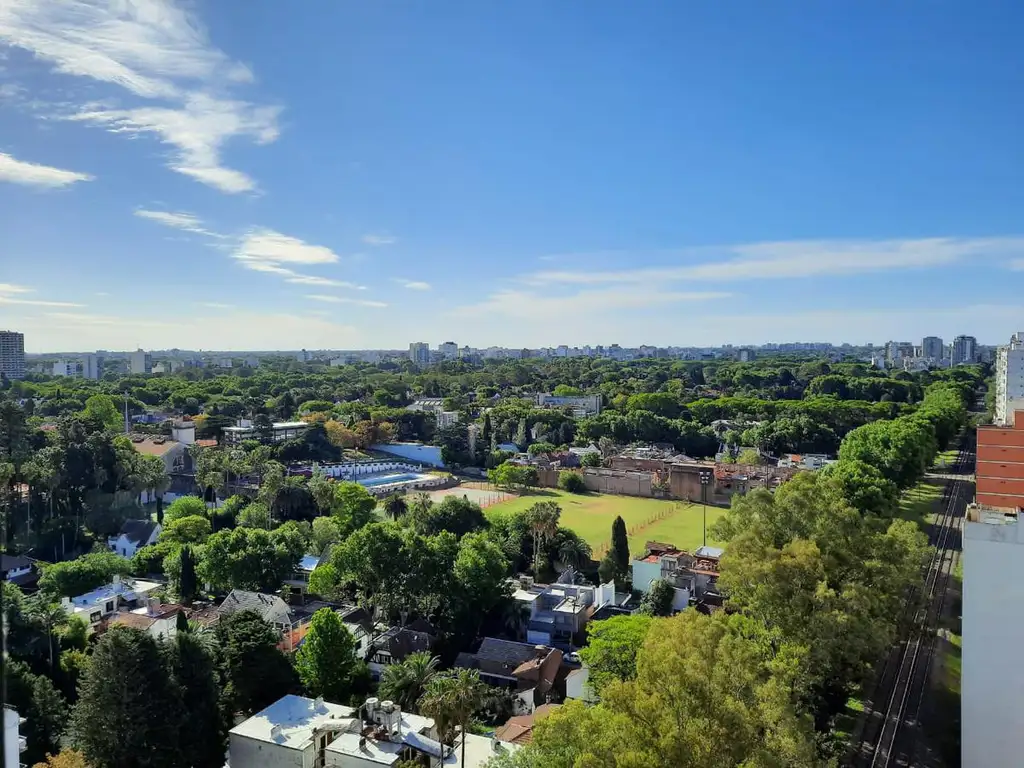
x,y
705,481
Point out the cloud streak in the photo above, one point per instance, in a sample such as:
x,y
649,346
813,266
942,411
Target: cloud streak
x,y
795,259
534,306
159,56
344,300
380,239
35,175
412,285
177,220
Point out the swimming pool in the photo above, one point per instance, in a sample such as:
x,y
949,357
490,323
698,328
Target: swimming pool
x,y
398,477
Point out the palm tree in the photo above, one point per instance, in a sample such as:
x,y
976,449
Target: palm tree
x,y
421,503
395,506
152,477
451,698
543,519
572,550
50,615
405,683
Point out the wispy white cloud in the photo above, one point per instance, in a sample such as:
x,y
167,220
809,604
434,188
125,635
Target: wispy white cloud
x,y
35,175
413,285
265,246
299,279
177,220
37,302
10,295
380,239
1017,265
536,306
155,51
344,300
216,305
793,259
11,288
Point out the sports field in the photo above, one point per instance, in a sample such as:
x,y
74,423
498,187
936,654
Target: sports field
x,y
591,515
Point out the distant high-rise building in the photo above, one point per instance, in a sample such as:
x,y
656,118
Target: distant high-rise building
x,y
140,361
965,350
1009,380
92,366
419,352
932,346
12,355
67,368
745,355
449,350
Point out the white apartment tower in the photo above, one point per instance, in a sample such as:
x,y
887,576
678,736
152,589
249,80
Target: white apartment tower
x,y
1009,380
419,352
931,346
965,350
67,368
12,355
449,350
92,366
140,361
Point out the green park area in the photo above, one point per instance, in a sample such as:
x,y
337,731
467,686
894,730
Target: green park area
x,y
591,514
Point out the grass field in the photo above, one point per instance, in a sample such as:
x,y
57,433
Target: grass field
x,y
920,503
590,515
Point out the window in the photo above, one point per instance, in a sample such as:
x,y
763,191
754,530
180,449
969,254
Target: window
x,y
110,606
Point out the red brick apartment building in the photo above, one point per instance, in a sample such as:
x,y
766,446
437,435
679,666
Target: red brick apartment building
x,y
999,469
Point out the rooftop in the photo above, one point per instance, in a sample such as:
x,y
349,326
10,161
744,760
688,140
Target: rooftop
x,y
138,531
130,589
291,720
154,446
243,600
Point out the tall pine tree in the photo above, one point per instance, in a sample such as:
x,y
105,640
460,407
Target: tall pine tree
x,y
615,564
188,584
204,729
129,708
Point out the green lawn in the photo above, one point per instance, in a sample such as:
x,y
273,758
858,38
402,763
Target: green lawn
x,y
590,515
920,503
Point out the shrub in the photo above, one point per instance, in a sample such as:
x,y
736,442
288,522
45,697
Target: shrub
x,y
571,482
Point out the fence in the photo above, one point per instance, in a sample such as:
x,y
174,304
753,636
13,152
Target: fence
x,y
603,547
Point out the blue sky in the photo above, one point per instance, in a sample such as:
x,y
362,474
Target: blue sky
x,y
330,174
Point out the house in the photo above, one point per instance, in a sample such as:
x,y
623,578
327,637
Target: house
x,y
270,608
581,405
394,645
519,728
279,431
356,621
558,613
693,576
18,570
577,685
298,582
172,452
100,603
530,670
156,619
806,460
134,535
302,732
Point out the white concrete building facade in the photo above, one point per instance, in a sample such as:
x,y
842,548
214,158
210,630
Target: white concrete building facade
x,y
12,355
992,676
1009,380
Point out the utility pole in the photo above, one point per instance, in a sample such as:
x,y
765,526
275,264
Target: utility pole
x,y
705,481
126,429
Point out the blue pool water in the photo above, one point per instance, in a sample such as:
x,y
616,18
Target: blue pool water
x,y
401,477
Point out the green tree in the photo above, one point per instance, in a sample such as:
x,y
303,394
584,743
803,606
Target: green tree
x,y
395,506
193,666
405,682
865,487
731,704
194,529
185,506
76,577
188,583
612,647
571,482
353,505
592,460
325,531
513,476
451,698
658,600
326,660
456,514
42,706
250,558
257,673
104,411
615,564
255,515
322,489
127,683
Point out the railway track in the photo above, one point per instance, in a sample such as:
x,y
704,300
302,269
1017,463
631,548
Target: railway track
x,y
890,736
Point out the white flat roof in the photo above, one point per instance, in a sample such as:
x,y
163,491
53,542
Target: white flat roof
x,y
479,749
296,716
382,752
524,596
